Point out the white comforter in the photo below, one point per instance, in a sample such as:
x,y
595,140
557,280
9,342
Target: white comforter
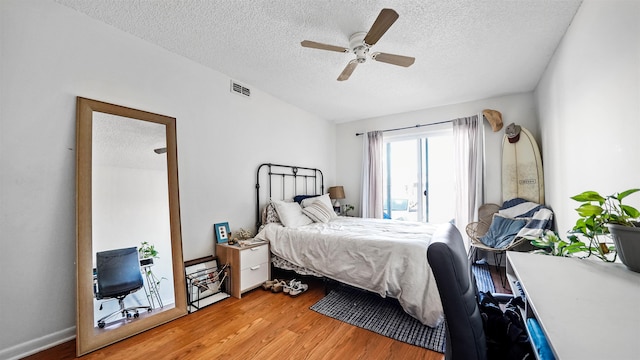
x,y
387,257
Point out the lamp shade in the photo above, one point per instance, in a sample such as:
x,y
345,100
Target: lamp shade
x,y
336,192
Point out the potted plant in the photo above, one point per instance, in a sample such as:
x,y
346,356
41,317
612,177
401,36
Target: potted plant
x,y
607,215
551,244
347,208
147,252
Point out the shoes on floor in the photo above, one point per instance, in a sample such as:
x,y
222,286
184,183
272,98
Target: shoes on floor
x,y
287,286
298,289
269,284
279,286
295,288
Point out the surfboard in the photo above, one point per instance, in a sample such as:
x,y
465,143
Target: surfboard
x,y
522,174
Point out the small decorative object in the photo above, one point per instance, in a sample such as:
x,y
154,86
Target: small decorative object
x,y
222,232
347,208
240,237
603,216
242,234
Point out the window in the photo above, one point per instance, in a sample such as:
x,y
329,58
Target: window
x,y
418,176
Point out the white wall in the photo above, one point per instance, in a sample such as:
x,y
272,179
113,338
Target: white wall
x,y
518,108
589,107
145,218
50,54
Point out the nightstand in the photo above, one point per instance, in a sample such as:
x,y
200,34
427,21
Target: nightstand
x,y
250,266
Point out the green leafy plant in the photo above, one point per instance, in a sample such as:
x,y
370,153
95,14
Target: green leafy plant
x,y
551,244
347,208
147,251
596,211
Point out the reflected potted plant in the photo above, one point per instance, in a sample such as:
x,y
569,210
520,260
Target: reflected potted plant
x,y
608,216
147,252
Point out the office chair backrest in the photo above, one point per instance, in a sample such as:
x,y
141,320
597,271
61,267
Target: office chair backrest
x,y
456,285
118,272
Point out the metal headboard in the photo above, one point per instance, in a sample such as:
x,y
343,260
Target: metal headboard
x,y
290,181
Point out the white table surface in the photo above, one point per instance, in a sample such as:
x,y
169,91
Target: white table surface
x,y
587,308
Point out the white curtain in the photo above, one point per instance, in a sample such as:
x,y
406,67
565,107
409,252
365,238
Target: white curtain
x,y
372,201
469,160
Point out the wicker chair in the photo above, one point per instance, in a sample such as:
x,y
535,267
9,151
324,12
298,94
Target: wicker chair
x,y
478,229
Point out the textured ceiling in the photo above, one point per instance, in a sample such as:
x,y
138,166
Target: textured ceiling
x,y
128,143
465,50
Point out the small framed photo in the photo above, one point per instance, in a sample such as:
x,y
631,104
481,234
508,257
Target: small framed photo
x,y
221,232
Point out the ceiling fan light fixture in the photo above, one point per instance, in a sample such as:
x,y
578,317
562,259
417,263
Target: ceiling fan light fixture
x,y
360,42
361,53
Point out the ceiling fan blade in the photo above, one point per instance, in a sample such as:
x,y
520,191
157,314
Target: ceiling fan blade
x,y
317,45
348,70
385,19
399,60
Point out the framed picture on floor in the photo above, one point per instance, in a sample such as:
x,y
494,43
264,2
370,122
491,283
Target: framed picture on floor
x,y
221,232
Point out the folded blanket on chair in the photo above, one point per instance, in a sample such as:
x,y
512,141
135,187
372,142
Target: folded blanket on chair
x,y
539,217
502,232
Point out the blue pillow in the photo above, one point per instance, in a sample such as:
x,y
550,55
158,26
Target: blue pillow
x,y
299,198
502,231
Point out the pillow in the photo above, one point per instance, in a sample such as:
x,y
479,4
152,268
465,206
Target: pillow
x,y
299,198
502,231
319,212
290,214
324,199
270,215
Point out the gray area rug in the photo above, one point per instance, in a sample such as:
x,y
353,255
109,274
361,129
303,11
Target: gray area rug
x,y
385,316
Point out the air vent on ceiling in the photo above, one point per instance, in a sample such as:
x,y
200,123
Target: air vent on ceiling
x,y
239,89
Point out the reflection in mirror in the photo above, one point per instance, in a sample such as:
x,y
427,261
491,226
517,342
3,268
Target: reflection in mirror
x,y
130,207
127,197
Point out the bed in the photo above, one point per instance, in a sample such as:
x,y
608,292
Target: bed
x,y
387,257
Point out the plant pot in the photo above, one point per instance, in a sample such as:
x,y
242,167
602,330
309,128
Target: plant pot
x,y
627,242
146,261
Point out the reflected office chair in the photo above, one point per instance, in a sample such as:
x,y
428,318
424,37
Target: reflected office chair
x,y
118,275
465,337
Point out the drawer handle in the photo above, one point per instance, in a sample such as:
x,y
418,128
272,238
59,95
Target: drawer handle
x,y
255,249
255,267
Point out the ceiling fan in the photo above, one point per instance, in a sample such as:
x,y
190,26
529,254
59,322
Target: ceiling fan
x,y
361,42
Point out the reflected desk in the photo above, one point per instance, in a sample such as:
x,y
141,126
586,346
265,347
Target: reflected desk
x,y
588,309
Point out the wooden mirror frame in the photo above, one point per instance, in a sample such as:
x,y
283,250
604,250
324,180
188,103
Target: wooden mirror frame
x,y
88,336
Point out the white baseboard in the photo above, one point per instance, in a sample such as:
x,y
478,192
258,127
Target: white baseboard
x,y
36,345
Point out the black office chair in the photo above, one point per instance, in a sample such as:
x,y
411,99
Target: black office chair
x,y
118,275
465,331
465,339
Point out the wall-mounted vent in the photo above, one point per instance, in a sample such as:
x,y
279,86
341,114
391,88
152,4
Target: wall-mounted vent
x,y
239,89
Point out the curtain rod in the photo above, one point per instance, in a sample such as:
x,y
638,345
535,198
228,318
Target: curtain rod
x,y
411,127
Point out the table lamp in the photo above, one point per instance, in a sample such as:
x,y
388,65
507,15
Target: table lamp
x,y
335,194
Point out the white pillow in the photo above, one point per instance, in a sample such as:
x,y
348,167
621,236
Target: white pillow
x,y
324,199
290,214
319,212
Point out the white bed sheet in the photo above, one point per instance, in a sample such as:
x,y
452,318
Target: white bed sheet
x,y
387,257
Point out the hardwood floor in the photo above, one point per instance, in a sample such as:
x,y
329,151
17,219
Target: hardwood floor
x,y
262,325
495,276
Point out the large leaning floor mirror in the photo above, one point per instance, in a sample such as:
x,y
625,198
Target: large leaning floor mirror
x,y
130,271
